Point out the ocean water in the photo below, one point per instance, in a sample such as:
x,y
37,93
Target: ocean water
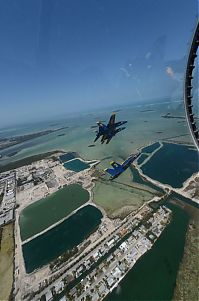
x,y
142,128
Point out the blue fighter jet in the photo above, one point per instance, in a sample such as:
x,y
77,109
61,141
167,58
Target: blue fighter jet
x,y
110,130
120,168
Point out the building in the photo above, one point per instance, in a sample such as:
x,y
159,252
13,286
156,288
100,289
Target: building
x,y
49,296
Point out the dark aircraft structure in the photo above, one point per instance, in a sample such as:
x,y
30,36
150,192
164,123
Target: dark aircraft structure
x,y
107,132
120,168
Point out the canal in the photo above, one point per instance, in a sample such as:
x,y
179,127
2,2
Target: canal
x,y
154,275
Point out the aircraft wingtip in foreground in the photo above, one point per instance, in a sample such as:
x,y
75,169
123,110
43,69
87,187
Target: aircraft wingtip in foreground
x,y
107,132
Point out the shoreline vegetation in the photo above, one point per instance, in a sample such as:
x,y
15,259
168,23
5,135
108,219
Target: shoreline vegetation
x,y
189,259
6,261
188,274
187,280
7,142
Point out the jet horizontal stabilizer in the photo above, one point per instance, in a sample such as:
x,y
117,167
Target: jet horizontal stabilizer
x,y
120,123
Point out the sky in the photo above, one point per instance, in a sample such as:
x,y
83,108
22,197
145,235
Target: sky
x,y
62,56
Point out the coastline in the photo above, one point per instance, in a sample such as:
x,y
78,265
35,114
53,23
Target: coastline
x,y
188,274
29,160
165,186
86,179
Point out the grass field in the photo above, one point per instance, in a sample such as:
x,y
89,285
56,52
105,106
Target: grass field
x,y
6,262
117,199
187,284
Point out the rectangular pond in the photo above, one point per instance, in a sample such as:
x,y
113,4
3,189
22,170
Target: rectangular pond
x,y
172,164
151,148
76,165
47,211
70,233
68,156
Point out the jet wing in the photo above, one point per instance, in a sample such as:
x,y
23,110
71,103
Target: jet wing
x,y
111,120
120,123
119,130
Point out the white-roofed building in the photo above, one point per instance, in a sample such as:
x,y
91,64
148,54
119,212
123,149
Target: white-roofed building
x,y
49,296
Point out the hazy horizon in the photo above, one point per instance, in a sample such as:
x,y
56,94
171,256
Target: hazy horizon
x,y
62,116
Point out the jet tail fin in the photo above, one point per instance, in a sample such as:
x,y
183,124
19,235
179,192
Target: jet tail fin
x,y
120,123
111,120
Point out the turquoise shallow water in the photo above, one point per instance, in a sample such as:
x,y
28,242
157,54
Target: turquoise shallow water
x,y
65,236
141,130
44,213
